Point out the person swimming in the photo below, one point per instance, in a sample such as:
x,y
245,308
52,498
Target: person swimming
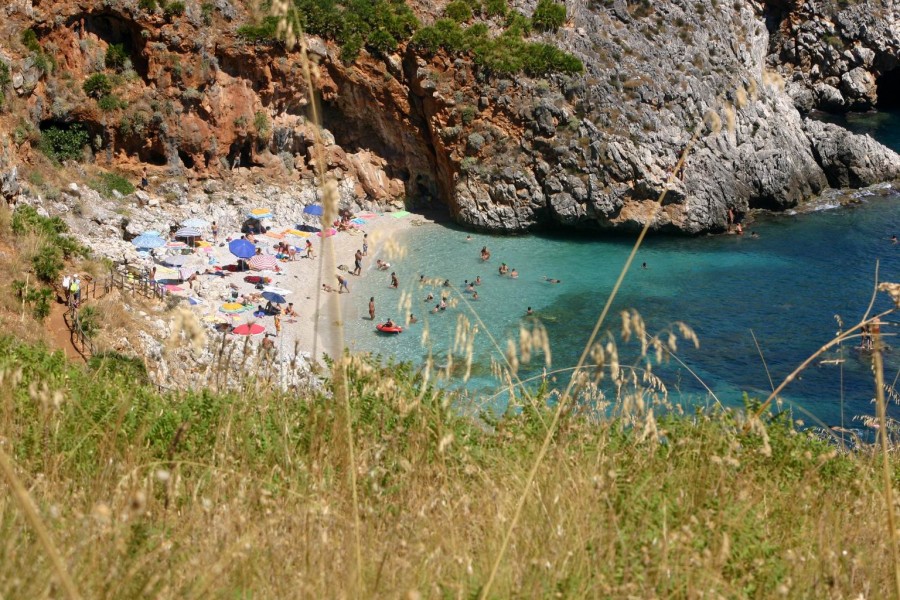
x,y
550,280
478,280
529,311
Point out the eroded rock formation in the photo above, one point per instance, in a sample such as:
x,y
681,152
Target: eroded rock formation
x,y
591,151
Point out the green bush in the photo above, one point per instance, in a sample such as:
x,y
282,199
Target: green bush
x,y
63,144
89,318
5,78
30,40
107,183
174,9
495,8
111,102
263,33
548,16
37,297
207,9
112,364
97,85
48,263
116,57
458,11
148,5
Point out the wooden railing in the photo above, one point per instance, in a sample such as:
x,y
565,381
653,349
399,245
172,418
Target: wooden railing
x,y
133,284
81,341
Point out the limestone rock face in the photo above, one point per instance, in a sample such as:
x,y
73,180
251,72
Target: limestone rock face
x,y
850,160
839,52
594,151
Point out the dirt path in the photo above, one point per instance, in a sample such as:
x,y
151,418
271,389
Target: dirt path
x,y
59,332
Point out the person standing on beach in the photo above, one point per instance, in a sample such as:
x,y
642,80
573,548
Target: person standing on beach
x,y
309,249
357,262
372,308
215,232
277,324
395,283
343,284
365,248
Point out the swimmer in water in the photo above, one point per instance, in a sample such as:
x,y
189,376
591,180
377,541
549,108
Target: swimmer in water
x,y
549,280
529,311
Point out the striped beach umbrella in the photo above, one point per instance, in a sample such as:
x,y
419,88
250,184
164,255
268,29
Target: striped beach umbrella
x,y
188,232
263,262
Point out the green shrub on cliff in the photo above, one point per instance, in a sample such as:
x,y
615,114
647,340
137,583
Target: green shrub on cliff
x,y
458,11
506,54
97,85
548,16
116,57
264,32
60,144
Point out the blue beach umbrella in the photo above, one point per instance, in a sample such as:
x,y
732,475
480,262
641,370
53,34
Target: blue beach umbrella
x,y
242,248
151,232
314,209
195,222
275,298
148,241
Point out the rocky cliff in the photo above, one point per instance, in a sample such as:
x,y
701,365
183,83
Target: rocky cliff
x,y
188,96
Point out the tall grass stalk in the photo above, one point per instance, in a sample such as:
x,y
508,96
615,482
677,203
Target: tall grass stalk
x,y
888,485
567,394
26,504
288,28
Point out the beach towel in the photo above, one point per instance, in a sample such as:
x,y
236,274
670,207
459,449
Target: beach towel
x,y
173,288
358,221
328,233
400,214
367,215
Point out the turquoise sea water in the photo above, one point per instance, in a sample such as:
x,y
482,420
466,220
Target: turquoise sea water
x,y
785,287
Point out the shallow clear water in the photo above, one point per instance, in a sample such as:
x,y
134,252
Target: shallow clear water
x,y
785,286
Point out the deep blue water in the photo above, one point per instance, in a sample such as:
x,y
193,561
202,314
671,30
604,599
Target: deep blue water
x,y
786,286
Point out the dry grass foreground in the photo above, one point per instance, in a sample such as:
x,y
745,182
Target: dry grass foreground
x,y
199,495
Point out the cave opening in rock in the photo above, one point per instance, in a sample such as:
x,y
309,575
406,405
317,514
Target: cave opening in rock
x,y
186,159
889,90
240,154
115,29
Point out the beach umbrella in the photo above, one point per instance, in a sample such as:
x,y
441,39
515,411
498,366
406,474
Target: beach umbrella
x,y
188,232
148,241
263,262
242,248
276,290
248,329
195,222
273,297
174,261
152,232
314,209
260,213
233,307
